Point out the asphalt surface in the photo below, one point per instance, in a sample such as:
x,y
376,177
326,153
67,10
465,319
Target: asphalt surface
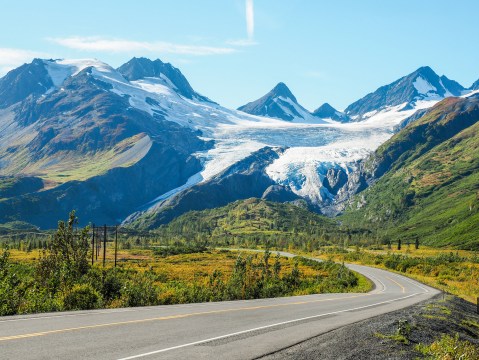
x,y
221,330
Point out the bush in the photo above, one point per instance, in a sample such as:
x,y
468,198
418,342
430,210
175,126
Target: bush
x,y
38,300
82,297
140,291
9,283
9,298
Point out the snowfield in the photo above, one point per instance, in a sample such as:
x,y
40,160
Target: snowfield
x,y
312,148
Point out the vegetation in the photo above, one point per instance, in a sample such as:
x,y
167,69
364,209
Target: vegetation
x,y
431,189
254,223
450,347
61,276
402,333
454,272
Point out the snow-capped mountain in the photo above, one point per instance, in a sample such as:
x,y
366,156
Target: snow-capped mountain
x,y
420,89
475,86
29,79
326,111
77,143
280,103
143,68
122,143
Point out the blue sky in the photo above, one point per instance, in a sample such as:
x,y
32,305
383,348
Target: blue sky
x,y
234,51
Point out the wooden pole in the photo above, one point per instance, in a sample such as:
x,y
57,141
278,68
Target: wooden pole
x,y
97,246
93,246
104,245
116,243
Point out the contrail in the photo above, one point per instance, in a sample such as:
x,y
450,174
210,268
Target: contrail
x,y
250,18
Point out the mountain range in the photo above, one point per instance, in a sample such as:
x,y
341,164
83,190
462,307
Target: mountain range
x,y
139,145
280,103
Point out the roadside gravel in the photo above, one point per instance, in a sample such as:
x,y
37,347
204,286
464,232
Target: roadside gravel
x,y
376,338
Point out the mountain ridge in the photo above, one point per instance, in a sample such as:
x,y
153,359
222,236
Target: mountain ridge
x,y
426,182
70,128
422,84
279,103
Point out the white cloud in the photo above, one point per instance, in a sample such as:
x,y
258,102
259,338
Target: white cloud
x,y
12,58
250,18
121,45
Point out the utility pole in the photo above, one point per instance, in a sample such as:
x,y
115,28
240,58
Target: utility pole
x,y
116,243
104,245
97,246
93,246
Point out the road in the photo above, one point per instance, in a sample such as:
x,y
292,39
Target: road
x,y
245,329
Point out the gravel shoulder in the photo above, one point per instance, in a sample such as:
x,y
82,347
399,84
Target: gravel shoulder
x,y
377,338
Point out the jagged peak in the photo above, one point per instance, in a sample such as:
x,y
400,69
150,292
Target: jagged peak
x,y
282,90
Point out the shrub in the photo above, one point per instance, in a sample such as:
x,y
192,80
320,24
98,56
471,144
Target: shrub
x,y
82,297
9,297
139,291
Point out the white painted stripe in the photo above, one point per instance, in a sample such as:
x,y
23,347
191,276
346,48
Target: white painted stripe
x,y
260,328
374,278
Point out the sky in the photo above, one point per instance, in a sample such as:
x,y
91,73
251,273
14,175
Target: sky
x,y
235,51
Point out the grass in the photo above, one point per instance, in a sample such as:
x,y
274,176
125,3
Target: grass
x,y
148,277
471,324
396,337
455,272
402,334
432,189
448,348
65,167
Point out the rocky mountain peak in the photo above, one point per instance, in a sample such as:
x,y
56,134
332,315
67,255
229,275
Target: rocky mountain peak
x,y
281,90
141,68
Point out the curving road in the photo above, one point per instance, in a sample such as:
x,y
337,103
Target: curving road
x,y
221,330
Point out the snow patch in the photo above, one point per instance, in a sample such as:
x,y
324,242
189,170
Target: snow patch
x,y
423,86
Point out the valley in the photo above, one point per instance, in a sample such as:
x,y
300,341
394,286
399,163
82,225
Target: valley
x,y
239,180
150,127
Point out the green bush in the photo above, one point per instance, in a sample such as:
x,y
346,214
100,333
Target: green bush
x,y
139,291
9,297
39,300
82,297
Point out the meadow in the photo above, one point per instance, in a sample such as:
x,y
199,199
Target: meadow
x,y
452,271
61,277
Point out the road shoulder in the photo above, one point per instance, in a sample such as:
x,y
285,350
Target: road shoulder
x,y
377,338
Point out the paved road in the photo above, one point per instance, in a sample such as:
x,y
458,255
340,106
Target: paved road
x,y
221,330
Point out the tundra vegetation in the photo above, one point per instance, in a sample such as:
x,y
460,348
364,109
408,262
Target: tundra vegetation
x,y
60,276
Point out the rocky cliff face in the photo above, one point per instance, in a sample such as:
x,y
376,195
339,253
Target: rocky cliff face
x,y
141,68
75,144
422,84
243,180
106,198
437,125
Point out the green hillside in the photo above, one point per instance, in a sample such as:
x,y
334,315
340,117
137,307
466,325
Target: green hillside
x,y
430,188
253,221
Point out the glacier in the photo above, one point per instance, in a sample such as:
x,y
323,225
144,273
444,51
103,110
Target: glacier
x,y
311,148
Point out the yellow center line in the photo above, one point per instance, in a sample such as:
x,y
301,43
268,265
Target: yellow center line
x,y
170,317
398,284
